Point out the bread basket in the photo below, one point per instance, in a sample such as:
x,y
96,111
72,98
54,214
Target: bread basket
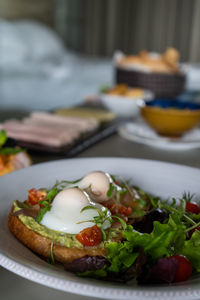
x,y
162,85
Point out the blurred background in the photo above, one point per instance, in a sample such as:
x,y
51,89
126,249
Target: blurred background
x,y
56,53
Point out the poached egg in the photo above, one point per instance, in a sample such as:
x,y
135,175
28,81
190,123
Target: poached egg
x,y
97,185
66,215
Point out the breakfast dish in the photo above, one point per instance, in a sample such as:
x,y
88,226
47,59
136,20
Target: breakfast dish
x,y
65,214
166,62
100,226
157,178
12,158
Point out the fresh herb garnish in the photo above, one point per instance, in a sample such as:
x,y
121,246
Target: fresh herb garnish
x,y
137,198
7,150
46,204
187,196
42,212
99,220
110,190
60,185
102,217
51,258
123,223
3,137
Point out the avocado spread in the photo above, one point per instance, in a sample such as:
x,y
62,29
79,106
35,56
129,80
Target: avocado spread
x,y
62,238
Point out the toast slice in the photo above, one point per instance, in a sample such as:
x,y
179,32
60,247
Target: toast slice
x,y
42,245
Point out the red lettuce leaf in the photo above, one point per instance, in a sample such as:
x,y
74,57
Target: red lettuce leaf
x,y
86,263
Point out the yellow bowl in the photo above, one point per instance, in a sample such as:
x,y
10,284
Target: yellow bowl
x,y
170,121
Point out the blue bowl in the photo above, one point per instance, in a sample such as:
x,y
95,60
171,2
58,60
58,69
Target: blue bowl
x,y
173,103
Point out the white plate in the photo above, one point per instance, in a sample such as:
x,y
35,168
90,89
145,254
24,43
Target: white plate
x,y
141,133
159,178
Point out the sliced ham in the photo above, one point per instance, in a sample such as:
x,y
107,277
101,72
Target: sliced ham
x,y
67,127
35,138
49,129
55,119
41,129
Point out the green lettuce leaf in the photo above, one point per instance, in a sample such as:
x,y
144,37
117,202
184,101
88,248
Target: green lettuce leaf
x,y
166,239
10,151
3,137
120,256
191,250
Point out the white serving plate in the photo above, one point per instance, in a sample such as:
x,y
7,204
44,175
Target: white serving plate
x,y
141,133
158,178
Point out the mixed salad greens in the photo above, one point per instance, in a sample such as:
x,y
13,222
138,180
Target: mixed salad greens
x,y
163,246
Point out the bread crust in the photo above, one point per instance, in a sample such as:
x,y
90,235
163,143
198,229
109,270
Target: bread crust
x,y
42,245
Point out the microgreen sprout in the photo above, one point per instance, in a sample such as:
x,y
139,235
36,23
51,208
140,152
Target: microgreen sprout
x,y
51,193
125,188
46,203
99,220
102,217
110,190
178,207
187,196
123,223
51,259
43,211
60,185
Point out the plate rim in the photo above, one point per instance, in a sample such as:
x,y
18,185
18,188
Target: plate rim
x,y
85,289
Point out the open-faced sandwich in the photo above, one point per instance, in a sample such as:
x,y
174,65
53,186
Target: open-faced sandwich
x,y
11,157
103,227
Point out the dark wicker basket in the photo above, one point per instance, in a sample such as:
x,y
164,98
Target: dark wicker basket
x,y
162,85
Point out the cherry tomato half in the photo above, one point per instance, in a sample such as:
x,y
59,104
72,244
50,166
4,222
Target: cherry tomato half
x,y
192,207
118,209
35,195
184,270
90,236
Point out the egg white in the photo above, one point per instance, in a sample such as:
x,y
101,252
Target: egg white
x,y
65,214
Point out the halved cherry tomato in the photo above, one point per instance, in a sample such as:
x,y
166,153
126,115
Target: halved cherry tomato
x,y
193,230
192,207
35,195
90,236
118,209
184,270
